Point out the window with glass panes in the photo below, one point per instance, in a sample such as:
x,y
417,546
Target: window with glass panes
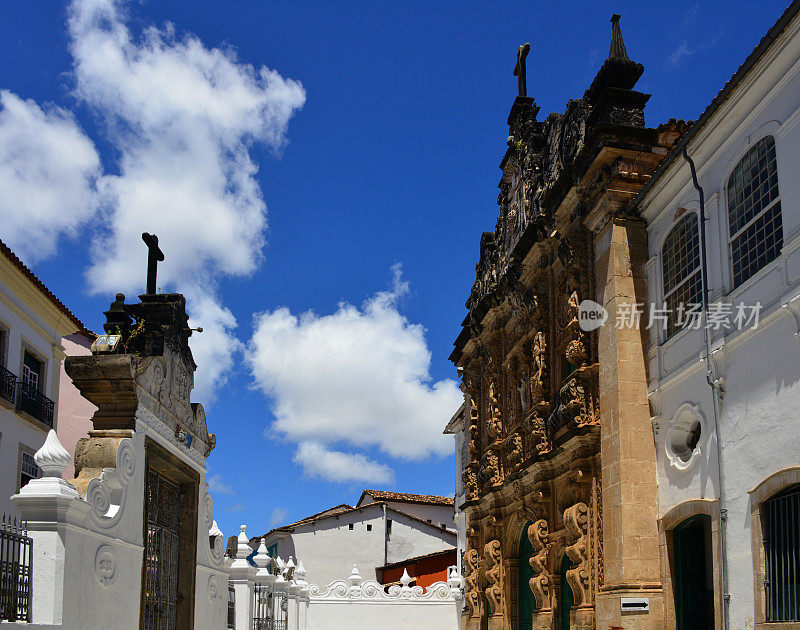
x,y
755,227
31,371
28,469
681,271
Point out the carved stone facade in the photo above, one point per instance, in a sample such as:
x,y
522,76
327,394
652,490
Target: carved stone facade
x,y
531,375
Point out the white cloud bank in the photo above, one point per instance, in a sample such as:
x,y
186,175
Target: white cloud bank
x,y
184,118
359,376
48,171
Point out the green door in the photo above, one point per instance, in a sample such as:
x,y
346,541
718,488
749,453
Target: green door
x,y
566,599
693,589
525,573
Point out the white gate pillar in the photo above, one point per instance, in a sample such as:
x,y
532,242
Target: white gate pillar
x,y
243,578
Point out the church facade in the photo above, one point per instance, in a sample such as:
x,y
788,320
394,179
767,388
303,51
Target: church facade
x,y
560,476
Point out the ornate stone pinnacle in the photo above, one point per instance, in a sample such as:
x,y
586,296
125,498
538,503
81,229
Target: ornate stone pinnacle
x,y
355,577
52,458
617,50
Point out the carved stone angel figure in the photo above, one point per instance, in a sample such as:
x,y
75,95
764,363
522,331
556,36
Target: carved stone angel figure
x,y
495,425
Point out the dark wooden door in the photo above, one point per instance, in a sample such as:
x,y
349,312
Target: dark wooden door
x,y
693,601
162,545
525,573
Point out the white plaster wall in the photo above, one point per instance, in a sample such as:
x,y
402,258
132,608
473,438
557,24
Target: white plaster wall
x,y
410,539
438,514
23,326
381,615
329,548
762,368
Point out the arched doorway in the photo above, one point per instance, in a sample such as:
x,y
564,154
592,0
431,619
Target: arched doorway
x,y
525,573
566,598
692,575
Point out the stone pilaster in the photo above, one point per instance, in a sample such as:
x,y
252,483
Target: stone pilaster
x,y
629,487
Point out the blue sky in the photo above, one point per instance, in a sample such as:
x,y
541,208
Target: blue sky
x,y
351,182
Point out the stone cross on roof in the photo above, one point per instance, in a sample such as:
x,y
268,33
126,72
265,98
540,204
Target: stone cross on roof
x,y
154,256
519,70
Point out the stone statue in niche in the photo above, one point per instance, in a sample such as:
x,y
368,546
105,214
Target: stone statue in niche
x,y
495,426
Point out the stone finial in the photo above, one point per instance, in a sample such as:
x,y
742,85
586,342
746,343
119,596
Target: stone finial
x,y
214,531
261,558
301,574
617,50
52,458
405,580
455,582
243,549
355,578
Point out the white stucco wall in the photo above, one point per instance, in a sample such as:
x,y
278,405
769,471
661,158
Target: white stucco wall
x,y
25,329
761,368
329,548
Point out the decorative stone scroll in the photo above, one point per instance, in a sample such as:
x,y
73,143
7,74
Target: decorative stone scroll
x,y
493,556
495,425
539,535
576,520
471,579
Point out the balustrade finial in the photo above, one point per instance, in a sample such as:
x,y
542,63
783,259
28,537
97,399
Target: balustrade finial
x,y
52,458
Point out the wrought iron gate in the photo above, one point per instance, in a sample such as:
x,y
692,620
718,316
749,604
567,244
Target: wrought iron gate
x,y
269,608
161,553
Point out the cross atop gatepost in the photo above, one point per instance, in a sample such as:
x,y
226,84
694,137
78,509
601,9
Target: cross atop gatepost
x,y
520,71
154,256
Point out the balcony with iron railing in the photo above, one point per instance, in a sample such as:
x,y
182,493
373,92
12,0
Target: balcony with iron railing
x,y
26,397
34,403
8,385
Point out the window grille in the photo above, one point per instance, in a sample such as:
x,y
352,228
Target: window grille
x,y
681,271
754,211
231,608
782,551
28,469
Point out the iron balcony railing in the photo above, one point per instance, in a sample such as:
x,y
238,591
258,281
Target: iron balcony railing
x,y
34,403
16,562
8,385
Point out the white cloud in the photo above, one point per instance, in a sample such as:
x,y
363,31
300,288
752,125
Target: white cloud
x,y
278,516
359,376
48,169
217,485
239,507
184,118
680,53
319,462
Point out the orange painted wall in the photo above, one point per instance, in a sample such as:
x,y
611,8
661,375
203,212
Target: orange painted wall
x,y
426,571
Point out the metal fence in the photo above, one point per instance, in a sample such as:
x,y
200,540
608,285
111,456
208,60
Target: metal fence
x,y
231,607
269,608
16,561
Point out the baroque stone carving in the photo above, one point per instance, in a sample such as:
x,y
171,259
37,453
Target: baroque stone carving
x,y
539,536
493,557
471,579
105,565
576,520
495,424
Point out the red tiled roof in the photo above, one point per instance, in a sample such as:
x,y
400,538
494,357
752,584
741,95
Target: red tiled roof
x,y
407,561
6,251
385,495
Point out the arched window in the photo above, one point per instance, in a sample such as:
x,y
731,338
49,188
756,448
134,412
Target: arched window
x,y
755,228
681,273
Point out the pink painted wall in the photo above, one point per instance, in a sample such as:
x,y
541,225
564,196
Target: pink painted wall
x,y
74,411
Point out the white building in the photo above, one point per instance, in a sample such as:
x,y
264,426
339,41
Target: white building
x,y
457,427
746,148
33,323
383,528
